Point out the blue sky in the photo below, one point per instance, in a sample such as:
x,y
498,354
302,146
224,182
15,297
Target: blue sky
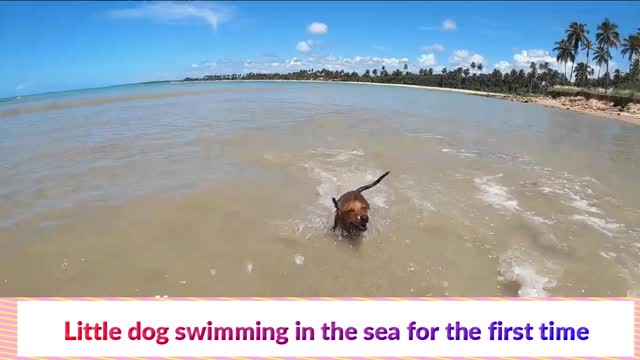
x,y
52,46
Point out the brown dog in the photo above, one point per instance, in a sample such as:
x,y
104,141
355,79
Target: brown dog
x,y
352,210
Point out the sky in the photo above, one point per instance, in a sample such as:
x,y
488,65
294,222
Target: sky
x,y
56,46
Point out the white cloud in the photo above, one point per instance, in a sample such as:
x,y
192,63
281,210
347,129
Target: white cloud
x,y
348,64
169,12
304,46
503,66
464,58
318,28
313,61
561,67
195,66
427,60
295,62
433,47
524,58
449,25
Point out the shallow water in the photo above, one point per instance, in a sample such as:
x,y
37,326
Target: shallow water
x,y
224,189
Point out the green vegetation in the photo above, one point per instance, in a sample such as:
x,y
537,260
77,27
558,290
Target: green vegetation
x,y
539,79
513,82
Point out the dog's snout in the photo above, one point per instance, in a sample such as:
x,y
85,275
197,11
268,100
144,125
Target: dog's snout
x,y
364,218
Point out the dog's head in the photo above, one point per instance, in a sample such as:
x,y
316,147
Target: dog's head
x,y
355,215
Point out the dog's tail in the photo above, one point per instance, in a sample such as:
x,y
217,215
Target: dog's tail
x,y
366,187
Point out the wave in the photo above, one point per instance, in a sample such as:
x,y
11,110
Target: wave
x,y
524,269
611,229
494,194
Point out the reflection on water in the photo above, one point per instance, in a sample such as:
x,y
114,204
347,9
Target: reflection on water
x,y
225,189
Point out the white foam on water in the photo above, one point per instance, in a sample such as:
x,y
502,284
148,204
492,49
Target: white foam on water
x,y
463,154
427,135
582,204
611,229
608,255
538,219
520,268
338,154
459,153
576,192
494,194
531,283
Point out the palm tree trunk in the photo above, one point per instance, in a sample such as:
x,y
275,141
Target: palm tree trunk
x,y
606,82
565,69
571,73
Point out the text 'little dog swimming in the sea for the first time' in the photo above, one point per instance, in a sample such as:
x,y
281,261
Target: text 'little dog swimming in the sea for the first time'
x,y
454,331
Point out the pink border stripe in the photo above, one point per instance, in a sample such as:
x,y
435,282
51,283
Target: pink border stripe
x,y
9,309
14,300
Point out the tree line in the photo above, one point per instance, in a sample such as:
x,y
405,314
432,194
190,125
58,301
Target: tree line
x,y
536,79
607,39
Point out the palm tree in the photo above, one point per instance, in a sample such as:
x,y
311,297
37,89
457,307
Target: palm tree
x,y
582,73
479,66
587,45
544,66
532,75
617,77
564,53
473,66
634,72
576,36
631,48
601,56
608,37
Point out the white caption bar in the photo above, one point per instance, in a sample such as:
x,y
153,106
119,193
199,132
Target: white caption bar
x,y
360,328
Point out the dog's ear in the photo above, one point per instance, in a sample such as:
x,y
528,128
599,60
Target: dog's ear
x,y
335,202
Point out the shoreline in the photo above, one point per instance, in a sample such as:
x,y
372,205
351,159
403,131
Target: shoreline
x,y
576,103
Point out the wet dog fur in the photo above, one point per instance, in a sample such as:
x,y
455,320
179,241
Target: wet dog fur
x,y
352,210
